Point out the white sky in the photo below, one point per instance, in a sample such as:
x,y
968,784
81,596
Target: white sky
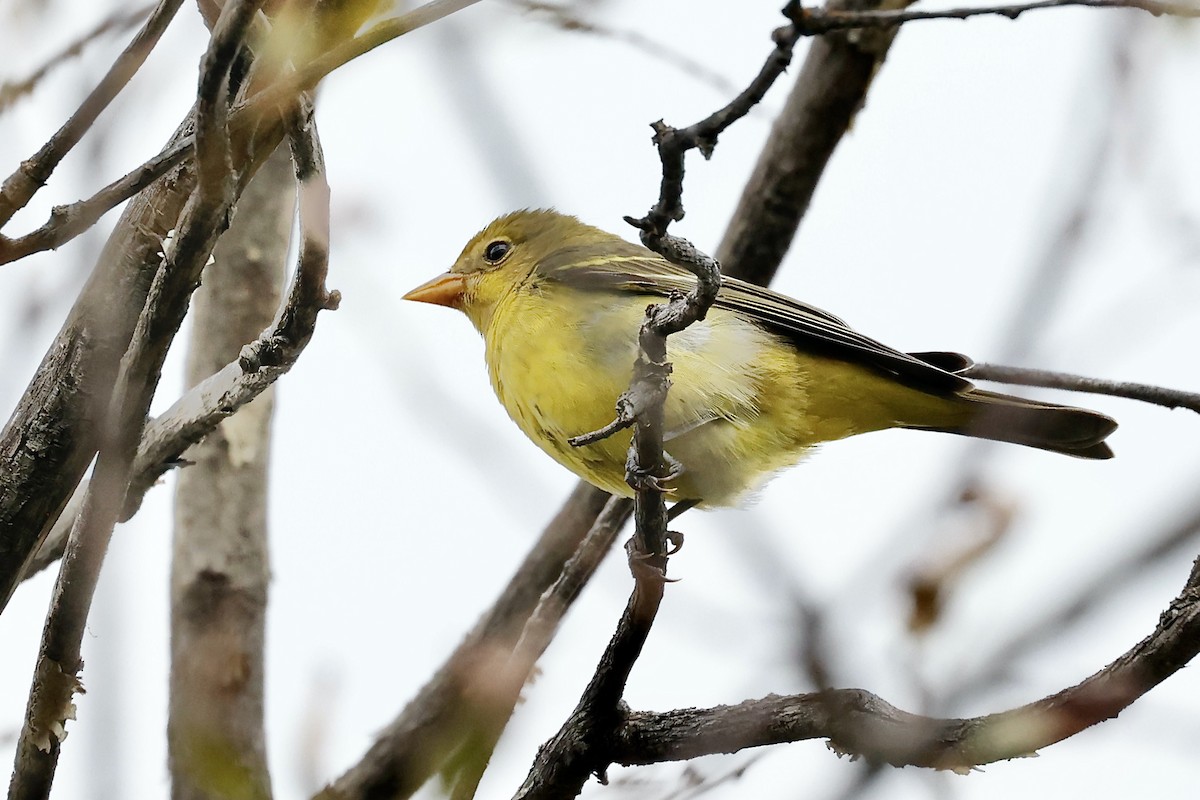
x,y
403,497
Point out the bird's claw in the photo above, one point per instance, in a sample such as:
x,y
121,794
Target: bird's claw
x,y
644,481
641,480
643,565
676,540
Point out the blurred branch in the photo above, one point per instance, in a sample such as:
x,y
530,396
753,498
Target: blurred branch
x,y
860,783
488,118
219,563
1100,587
19,188
1073,193
1156,395
563,17
982,520
446,710
118,20
694,784
498,693
863,725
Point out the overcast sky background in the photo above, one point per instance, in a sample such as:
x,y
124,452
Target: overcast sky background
x,y
403,497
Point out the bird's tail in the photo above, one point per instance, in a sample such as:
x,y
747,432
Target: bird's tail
x,y
1046,426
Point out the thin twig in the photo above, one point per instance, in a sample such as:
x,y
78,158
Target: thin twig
x,y
674,142
20,187
817,21
692,784
1147,393
67,222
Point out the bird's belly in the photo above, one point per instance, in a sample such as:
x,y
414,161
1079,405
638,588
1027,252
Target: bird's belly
x,y
560,378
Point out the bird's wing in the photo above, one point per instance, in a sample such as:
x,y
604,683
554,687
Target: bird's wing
x,y
809,327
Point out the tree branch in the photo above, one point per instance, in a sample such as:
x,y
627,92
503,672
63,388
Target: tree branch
x,y
861,724
67,222
260,363
1156,395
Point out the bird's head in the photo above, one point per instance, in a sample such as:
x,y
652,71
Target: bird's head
x,y
499,259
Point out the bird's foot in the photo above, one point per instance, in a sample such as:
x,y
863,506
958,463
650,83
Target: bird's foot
x,y
643,480
648,567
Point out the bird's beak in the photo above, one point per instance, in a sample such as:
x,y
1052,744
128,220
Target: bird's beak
x,y
444,290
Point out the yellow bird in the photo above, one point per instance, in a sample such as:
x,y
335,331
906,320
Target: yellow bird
x,y
755,385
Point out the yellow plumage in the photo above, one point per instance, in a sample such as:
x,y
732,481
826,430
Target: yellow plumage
x,y
754,385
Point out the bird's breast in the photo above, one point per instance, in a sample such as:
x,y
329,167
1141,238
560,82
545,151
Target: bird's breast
x,y
559,359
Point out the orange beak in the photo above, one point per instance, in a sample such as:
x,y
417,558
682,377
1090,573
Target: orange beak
x,y
444,290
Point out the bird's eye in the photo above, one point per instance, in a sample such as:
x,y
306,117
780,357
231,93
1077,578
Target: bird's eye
x,y
495,252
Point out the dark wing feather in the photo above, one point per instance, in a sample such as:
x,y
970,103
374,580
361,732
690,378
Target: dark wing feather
x,y
812,329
